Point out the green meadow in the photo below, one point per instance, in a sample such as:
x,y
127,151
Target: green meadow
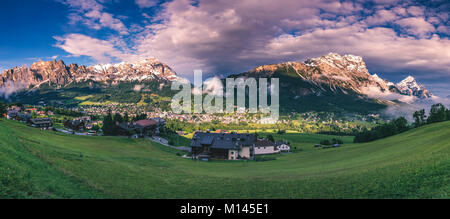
x,y
46,164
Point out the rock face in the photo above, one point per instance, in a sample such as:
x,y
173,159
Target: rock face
x,y
409,86
56,73
336,73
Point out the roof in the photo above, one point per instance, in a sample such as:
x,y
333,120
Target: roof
x,y
146,123
279,143
41,121
222,140
263,143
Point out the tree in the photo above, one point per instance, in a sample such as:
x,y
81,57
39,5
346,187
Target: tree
x,y
325,142
2,109
270,138
448,114
419,117
108,124
118,118
437,113
126,117
401,124
337,141
140,117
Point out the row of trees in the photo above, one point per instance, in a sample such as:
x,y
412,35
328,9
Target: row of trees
x,y
438,113
392,128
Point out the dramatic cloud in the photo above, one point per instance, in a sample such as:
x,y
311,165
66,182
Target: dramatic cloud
x,y
91,14
81,45
235,36
232,36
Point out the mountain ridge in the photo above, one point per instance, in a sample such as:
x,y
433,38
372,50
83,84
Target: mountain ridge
x,y
348,72
57,73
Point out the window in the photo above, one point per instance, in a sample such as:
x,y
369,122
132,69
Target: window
x,y
232,153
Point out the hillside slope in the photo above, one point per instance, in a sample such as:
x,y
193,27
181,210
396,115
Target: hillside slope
x,y
38,164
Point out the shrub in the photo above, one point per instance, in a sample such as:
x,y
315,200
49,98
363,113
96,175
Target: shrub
x,y
325,142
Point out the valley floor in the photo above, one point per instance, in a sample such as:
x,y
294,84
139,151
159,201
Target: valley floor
x,y
45,164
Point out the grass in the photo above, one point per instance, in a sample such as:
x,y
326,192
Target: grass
x,y
45,164
91,103
83,98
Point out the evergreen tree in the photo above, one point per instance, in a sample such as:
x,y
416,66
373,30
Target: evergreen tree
x,y
108,124
126,117
401,124
2,109
438,113
118,118
270,138
419,117
448,114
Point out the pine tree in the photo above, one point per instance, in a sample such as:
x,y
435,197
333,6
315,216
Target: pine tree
x,y
419,117
437,113
2,109
108,124
126,117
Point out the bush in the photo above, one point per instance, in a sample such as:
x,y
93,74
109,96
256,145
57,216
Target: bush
x,y
337,141
325,142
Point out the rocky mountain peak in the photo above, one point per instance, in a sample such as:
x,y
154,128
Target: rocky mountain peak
x,y
334,60
409,86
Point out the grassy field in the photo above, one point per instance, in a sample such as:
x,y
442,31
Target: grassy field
x,y
45,164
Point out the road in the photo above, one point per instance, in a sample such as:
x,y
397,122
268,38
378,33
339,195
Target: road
x,y
163,142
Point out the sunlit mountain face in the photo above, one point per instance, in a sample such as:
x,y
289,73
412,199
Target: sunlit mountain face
x,y
396,39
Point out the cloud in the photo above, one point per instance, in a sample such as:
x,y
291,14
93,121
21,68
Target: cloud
x,y
375,93
138,87
232,36
10,88
91,13
81,45
146,3
381,17
235,36
416,26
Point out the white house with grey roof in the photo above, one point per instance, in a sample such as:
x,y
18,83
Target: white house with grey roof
x,y
229,146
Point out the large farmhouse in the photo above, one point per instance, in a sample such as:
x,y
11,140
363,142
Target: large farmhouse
x,y
41,123
231,146
143,127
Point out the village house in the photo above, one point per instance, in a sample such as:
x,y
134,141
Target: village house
x,y
232,146
75,125
283,146
44,123
263,146
17,115
147,127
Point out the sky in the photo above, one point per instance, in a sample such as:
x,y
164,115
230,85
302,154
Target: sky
x,y
220,37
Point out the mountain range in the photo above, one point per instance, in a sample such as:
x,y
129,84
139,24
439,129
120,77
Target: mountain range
x,y
58,74
328,83
334,73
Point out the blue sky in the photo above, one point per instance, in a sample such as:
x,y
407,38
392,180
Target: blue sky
x,y
395,38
